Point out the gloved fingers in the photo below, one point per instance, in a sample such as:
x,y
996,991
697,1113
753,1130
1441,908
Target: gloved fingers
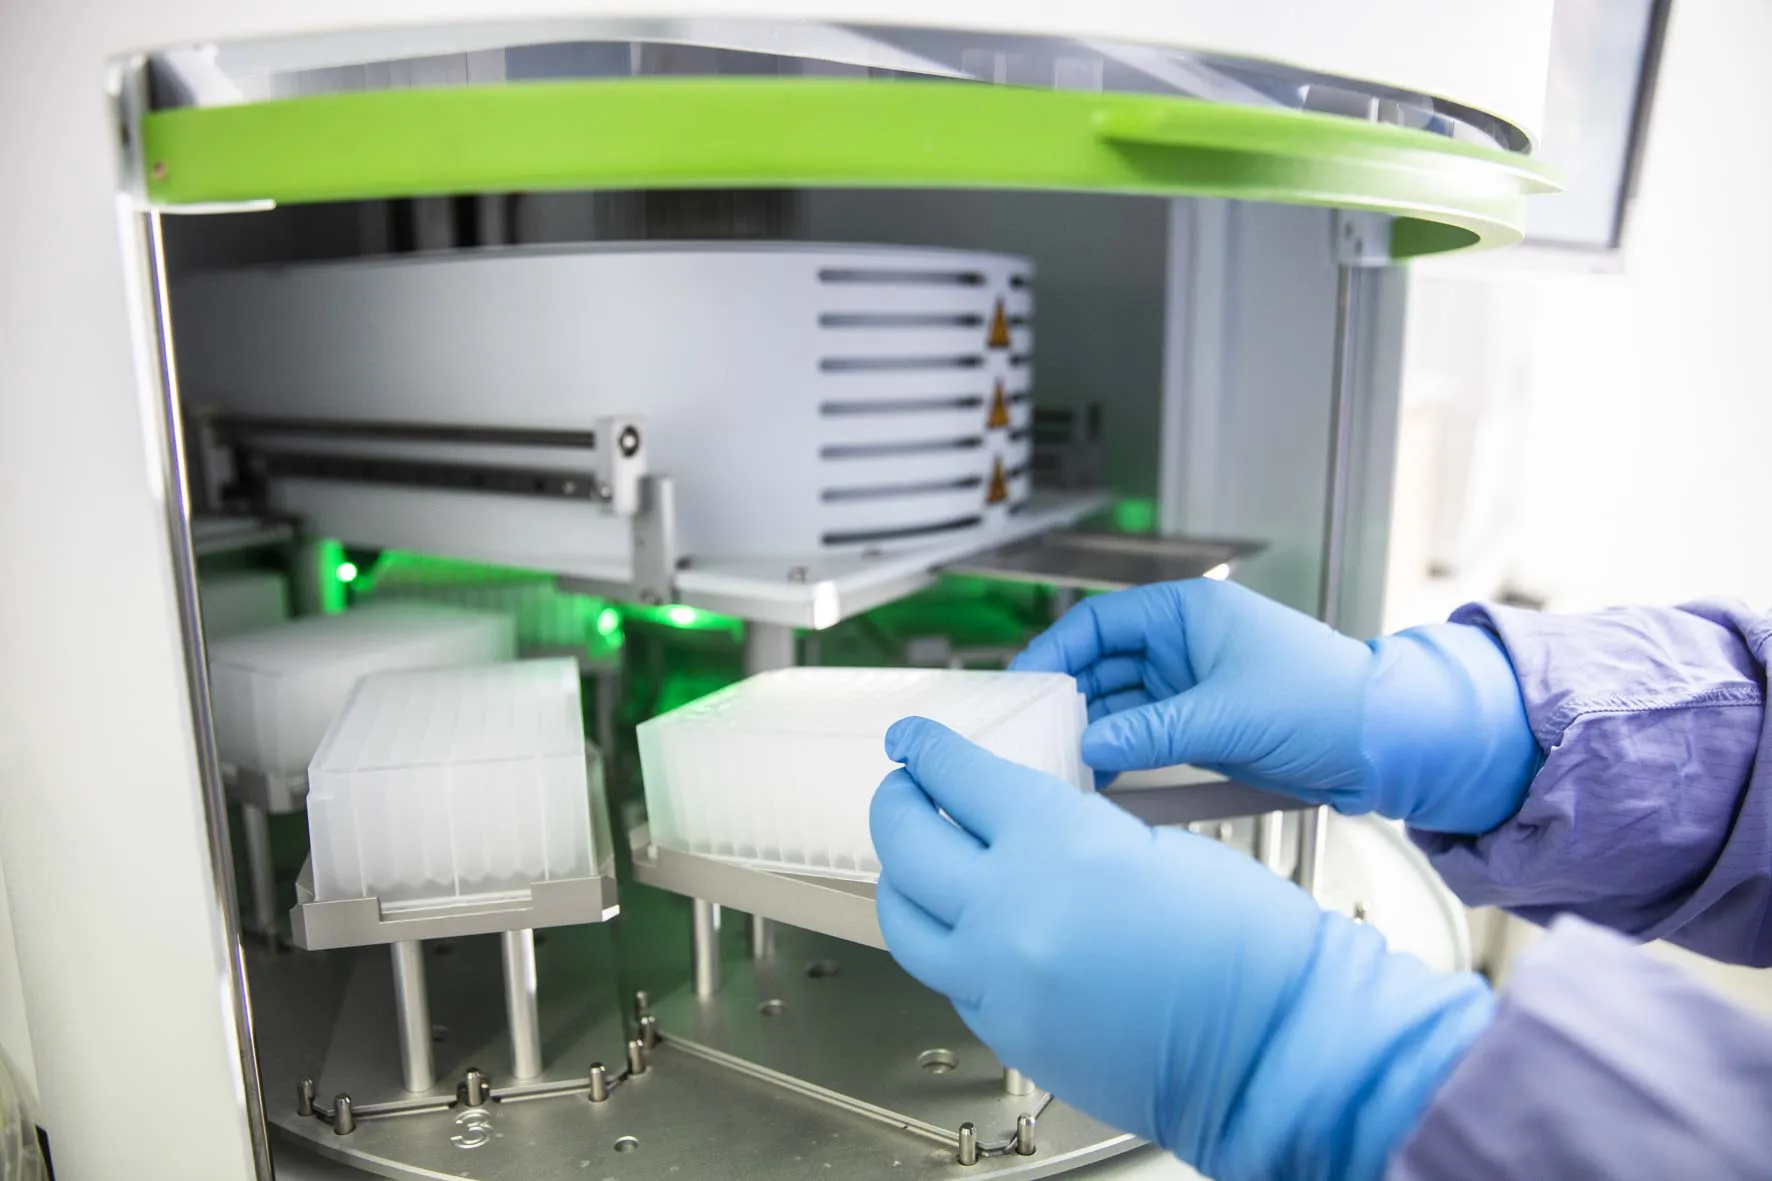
x,y
1112,674
1105,625
981,791
1118,703
1190,727
933,862
922,946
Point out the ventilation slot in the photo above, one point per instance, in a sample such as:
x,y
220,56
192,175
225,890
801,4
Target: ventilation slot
x,y
900,320
898,450
1018,436
859,406
904,533
896,364
1019,282
889,491
910,278
1020,360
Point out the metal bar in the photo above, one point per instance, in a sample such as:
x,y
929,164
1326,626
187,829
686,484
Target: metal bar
x,y
704,935
518,949
608,687
234,427
767,647
428,473
215,807
762,937
1343,404
1270,841
412,1016
261,878
1313,843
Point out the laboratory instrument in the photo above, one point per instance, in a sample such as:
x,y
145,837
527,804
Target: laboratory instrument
x,y
728,325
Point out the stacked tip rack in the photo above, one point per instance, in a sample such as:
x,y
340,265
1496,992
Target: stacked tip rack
x,y
454,802
275,691
757,796
776,772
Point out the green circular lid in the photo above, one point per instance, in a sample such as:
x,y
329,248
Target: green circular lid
x,y
801,133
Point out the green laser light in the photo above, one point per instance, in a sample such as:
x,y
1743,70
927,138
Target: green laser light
x,y
347,572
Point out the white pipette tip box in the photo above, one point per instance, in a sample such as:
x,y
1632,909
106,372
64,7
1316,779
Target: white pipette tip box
x,y
452,784
275,691
777,771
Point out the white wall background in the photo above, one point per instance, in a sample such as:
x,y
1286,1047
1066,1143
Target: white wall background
x,y
1605,437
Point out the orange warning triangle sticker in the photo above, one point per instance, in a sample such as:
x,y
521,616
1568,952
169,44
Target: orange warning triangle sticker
x,y
999,337
999,417
999,489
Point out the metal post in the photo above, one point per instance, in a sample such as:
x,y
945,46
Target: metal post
x,y
261,877
767,647
1343,403
518,948
704,935
968,1145
1016,1083
608,688
1063,599
1270,841
412,1016
762,938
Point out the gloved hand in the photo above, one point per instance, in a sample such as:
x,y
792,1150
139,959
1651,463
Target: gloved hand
x,y
1154,979
1425,726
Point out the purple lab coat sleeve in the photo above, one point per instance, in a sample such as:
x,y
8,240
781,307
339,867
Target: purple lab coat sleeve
x,y
1652,812
1602,1063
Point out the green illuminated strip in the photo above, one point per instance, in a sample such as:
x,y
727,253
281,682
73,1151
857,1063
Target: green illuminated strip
x,y
735,133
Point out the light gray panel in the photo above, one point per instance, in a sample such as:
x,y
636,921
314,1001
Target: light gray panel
x,y
1262,407
1098,291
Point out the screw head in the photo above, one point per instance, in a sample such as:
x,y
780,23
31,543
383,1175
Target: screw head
x,y
628,441
158,171
797,574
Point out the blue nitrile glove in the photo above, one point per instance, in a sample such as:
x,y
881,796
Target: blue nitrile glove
x,y
1155,979
1425,726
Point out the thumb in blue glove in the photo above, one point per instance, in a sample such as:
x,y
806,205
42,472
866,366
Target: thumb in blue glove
x,y
1425,726
1154,979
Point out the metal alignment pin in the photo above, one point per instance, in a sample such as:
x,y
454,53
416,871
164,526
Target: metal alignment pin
x,y
1024,1135
636,1057
475,1085
304,1097
649,1031
968,1144
599,1083
344,1120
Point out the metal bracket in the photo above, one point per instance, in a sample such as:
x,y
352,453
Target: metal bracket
x,y
830,906
363,922
655,541
606,464
1361,239
620,463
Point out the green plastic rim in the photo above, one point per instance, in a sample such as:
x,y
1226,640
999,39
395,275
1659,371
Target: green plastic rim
x,y
796,133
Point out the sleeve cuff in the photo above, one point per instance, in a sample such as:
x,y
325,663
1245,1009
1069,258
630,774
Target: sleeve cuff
x,y
1602,1063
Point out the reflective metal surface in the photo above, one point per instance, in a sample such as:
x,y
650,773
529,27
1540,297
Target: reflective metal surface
x,y
1104,561
832,906
328,1017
